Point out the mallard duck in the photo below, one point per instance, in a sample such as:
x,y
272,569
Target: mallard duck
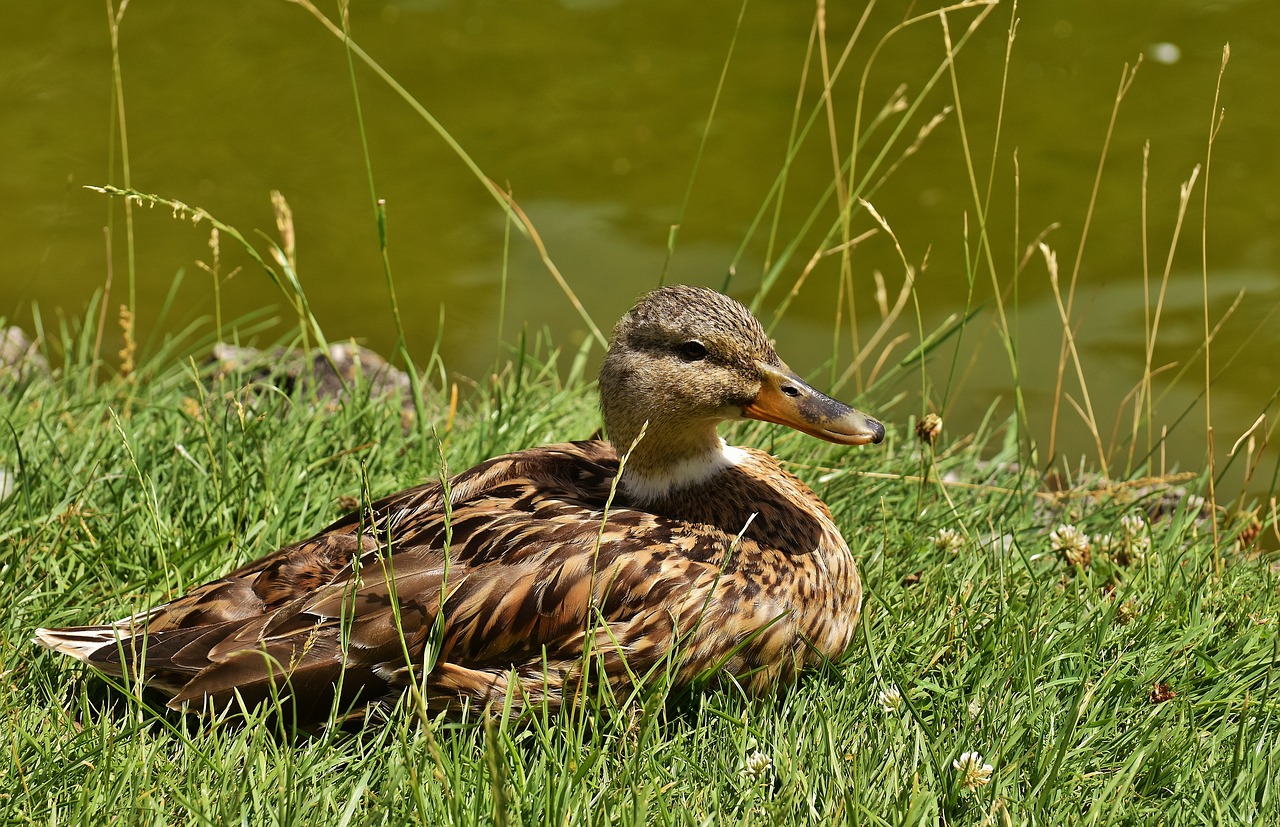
x,y
548,571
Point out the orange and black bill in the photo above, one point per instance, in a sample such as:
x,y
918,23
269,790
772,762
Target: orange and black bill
x,y
788,400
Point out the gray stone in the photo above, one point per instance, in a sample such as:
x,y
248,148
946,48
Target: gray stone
x,y
19,356
330,378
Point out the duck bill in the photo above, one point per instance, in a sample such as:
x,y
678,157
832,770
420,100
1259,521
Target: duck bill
x,y
788,400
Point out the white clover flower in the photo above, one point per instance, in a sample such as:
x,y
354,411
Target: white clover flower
x,y
1133,543
1072,543
1066,537
973,773
1133,525
891,699
758,767
948,539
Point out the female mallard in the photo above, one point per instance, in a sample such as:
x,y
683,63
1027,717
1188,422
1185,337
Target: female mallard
x,y
687,555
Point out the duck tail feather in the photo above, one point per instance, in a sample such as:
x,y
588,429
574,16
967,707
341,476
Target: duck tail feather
x,y
82,642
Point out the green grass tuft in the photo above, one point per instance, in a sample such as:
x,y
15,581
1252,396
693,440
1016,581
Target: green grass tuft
x,y
1130,689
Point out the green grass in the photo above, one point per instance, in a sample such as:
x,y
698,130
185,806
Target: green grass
x,y
1125,689
130,489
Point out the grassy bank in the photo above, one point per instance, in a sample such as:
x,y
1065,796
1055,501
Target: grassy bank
x,y
1129,685
1126,680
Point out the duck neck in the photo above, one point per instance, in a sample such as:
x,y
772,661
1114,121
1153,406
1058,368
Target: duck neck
x,y
659,459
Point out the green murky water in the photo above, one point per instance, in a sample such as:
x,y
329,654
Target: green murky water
x,y
592,112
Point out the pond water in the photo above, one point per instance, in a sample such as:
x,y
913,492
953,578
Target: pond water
x,y
592,113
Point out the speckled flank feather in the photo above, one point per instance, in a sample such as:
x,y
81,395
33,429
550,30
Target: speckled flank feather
x,y
534,566
523,544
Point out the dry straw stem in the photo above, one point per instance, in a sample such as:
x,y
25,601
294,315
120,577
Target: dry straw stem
x,y
777,193
1126,80
1215,123
702,147
1253,453
889,315
982,202
1152,319
858,187
286,280
214,269
1064,314
532,233
505,201
860,184
1101,490
115,16
102,309
828,104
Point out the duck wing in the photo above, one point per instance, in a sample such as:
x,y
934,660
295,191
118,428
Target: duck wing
x,y
511,571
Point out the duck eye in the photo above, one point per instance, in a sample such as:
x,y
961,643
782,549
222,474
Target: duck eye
x,y
693,351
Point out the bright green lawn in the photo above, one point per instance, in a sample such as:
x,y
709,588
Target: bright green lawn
x,y
131,490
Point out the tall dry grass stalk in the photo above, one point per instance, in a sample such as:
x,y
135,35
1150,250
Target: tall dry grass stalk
x,y
1215,123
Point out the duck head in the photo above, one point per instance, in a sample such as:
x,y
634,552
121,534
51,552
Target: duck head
x,y
685,359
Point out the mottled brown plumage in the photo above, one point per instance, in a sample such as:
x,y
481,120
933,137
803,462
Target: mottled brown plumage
x,y
547,572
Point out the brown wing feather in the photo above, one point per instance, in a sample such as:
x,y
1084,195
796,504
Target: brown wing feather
x,y
527,570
